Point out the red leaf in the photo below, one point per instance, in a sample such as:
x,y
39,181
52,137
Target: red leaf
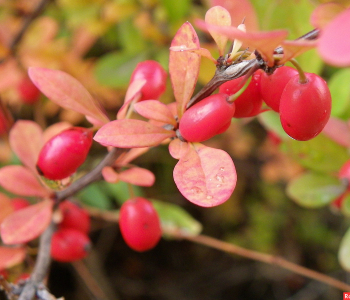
x,y
205,176
292,49
6,207
334,42
239,10
26,140
155,110
325,13
130,133
26,224
218,15
10,257
264,42
177,149
66,91
21,181
110,175
184,66
137,176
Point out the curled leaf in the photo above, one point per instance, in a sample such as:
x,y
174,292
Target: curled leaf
x,y
27,223
205,176
10,257
137,176
129,133
66,91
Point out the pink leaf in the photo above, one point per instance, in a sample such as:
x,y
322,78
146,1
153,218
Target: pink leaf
x,y
137,176
205,176
325,13
218,15
55,129
292,49
264,42
110,175
177,149
20,181
334,42
184,66
10,257
338,130
131,155
26,140
27,223
130,133
6,207
66,91
155,110
239,10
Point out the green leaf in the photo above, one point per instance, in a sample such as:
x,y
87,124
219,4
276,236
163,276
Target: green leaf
x,y
175,219
344,251
319,154
130,37
94,195
115,69
345,205
313,190
176,10
120,192
271,121
339,85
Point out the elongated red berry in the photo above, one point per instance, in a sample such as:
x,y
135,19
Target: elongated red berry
x,y
272,86
28,92
69,244
139,224
155,77
61,156
249,103
305,107
207,118
74,217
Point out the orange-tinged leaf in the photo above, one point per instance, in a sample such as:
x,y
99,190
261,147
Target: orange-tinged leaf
x,y
66,91
177,148
292,49
129,156
26,140
325,13
21,181
137,176
263,41
218,15
201,51
10,257
26,224
110,175
205,176
130,133
184,66
155,110
5,207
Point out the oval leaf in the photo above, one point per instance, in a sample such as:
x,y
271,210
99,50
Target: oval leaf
x,y
6,207
325,13
10,257
177,148
155,110
26,140
21,181
292,49
338,131
137,176
184,66
314,190
131,134
218,15
110,175
205,176
66,91
55,129
130,155
26,224
344,251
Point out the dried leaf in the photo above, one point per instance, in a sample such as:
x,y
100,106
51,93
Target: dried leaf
x,y
137,176
10,257
26,224
205,176
66,91
184,66
129,133
21,181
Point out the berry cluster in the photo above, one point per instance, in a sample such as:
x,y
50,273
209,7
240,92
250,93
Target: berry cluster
x,y
139,224
71,242
303,101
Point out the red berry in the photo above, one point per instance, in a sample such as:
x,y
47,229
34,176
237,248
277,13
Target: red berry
x,y
207,118
272,86
249,103
305,107
61,156
69,244
74,217
28,91
139,224
19,203
155,77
